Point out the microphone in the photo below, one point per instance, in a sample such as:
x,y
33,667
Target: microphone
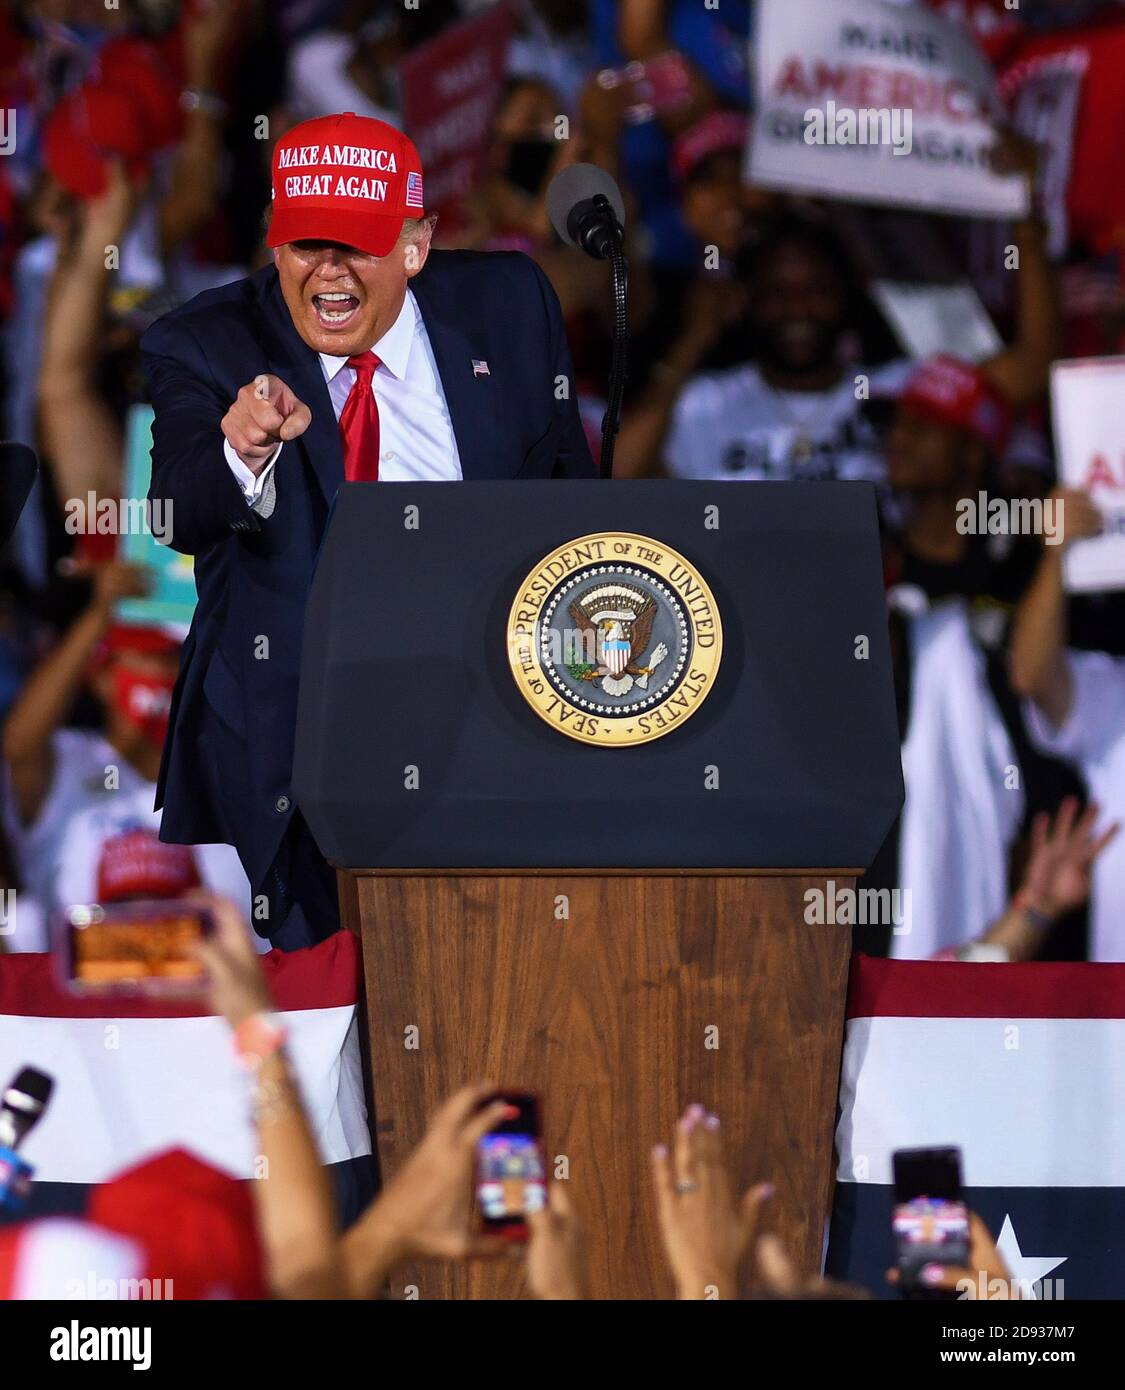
x,y
586,209
21,1108
18,467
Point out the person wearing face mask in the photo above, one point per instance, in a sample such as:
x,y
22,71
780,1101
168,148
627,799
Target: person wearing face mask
x,y
79,801
508,210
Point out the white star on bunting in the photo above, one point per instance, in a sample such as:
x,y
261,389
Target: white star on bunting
x,y
1029,1268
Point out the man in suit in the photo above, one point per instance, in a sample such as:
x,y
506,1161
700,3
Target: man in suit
x,y
359,354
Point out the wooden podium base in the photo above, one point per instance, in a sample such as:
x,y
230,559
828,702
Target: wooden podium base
x,y
621,997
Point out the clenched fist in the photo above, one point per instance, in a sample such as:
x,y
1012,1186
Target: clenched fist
x,y
264,414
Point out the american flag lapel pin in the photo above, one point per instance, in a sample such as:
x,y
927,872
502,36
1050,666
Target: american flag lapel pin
x,y
480,367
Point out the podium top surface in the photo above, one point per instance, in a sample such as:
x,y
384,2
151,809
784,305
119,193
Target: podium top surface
x,y
419,744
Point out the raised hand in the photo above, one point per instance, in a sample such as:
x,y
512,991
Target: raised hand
x,y
705,1228
1063,851
426,1209
1079,516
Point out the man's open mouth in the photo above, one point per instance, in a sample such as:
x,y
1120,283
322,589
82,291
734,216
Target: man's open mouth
x,y
335,309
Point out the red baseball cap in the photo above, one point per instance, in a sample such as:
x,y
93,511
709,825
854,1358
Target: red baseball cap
x,y
345,178
138,864
134,66
958,394
194,1222
94,123
715,133
143,639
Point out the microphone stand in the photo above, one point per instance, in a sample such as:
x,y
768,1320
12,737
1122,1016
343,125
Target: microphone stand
x,y
593,225
611,420
610,242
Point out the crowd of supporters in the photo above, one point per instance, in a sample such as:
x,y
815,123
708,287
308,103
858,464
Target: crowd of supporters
x,y
174,1226
147,128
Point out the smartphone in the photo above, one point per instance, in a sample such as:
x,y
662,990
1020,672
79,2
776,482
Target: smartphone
x,y
511,1173
141,947
931,1221
660,86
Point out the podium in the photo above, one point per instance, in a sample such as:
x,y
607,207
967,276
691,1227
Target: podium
x,y
625,928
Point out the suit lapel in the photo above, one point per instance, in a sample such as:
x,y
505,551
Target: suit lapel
x,y
473,398
291,358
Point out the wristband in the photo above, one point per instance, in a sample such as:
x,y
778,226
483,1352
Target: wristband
x,y
196,99
258,1037
1022,903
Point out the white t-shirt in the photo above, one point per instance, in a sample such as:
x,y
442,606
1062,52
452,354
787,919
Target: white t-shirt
x,y
731,424
1093,737
319,84
416,439
60,853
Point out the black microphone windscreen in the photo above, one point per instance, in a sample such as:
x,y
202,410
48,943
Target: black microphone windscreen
x,y
575,184
33,1084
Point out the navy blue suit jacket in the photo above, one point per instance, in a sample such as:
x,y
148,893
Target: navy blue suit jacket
x,y
228,757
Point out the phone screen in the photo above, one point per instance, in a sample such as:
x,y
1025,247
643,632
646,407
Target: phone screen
x,y
660,86
931,1221
511,1179
134,946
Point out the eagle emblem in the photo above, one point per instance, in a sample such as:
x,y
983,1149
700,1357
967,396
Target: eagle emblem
x,y
614,625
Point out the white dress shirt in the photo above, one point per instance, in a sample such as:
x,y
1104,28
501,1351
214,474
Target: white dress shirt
x,y
416,440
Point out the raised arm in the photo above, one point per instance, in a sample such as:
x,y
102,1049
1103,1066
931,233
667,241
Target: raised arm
x,y
46,700
1037,664
1021,370
1056,879
292,1195
80,436
426,1210
642,28
208,29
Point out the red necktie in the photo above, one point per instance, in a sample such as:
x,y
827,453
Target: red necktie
x,y
359,423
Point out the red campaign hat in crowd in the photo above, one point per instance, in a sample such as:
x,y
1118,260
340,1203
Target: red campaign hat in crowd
x,y
958,394
715,133
94,123
138,864
345,178
194,1222
138,68
128,109
139,638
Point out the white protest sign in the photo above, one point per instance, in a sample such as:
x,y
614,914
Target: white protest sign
x,y
1086,405
878,102
928,319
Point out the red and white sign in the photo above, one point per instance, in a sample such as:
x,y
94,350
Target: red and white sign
x,y
1065,91
450,90
1086,397
878,102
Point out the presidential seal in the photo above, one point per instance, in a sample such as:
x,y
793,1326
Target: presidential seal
x,y
614,639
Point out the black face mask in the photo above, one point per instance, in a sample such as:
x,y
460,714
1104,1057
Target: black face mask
x,y
528,162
